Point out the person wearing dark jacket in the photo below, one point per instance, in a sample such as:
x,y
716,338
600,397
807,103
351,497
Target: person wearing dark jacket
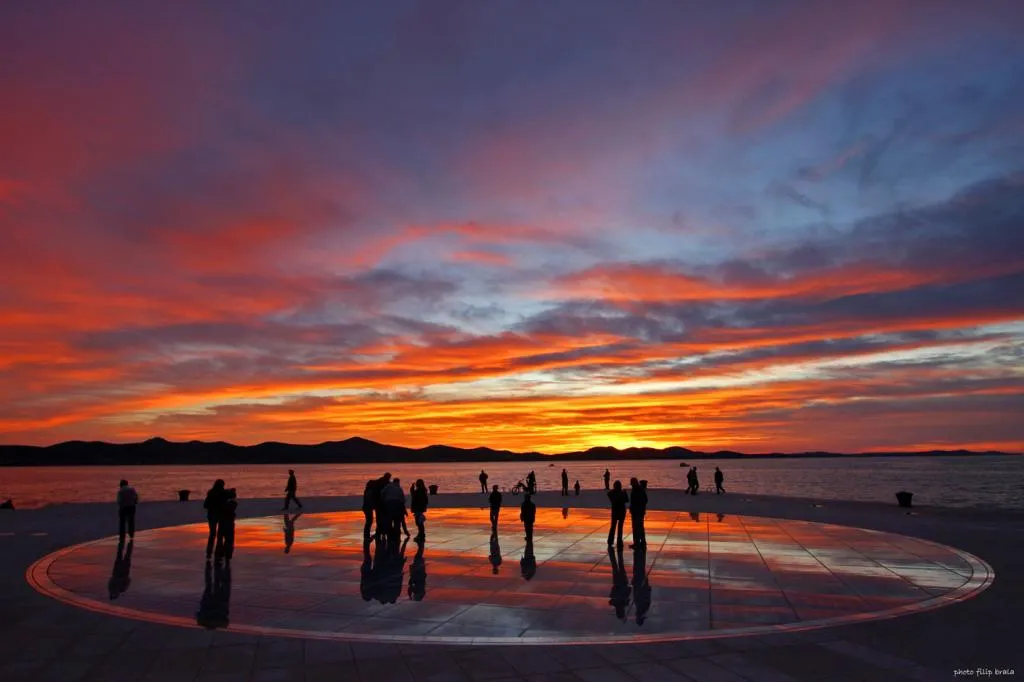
x,y
495,500
637,510
565,483
528,514
370,495
418,504
719,479
618,499
289,490
226,528
607,478
213,504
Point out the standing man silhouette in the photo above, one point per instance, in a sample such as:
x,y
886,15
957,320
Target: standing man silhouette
x,y
290,489
495,500
619,499
483,481
607,478
565,483
637,510
528,514
127,498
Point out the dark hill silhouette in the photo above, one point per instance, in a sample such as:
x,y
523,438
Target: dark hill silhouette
x,y
352,450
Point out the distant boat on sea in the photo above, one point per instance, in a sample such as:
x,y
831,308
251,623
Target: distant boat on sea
x,y
682,464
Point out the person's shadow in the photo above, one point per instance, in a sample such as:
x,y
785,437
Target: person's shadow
x,y
214,606
695,516
418,575
619,596
495,556
641,585
289,532
120,577
528,564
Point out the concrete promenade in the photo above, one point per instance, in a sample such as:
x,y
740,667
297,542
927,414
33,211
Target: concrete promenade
x,y
44,640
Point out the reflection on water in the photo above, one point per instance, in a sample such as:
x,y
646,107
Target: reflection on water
x,y
528,564
619,596
982,480
289,531
494,557
418,575
383,573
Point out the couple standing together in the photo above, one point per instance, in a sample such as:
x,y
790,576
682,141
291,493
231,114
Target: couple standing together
x,y
637,509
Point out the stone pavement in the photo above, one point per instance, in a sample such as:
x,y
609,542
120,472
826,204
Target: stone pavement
x,y
43,639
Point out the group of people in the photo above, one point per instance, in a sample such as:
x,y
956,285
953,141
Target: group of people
x,y
636,501
384,501
693,481
221,505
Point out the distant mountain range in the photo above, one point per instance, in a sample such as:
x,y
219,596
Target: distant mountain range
x,y
352,450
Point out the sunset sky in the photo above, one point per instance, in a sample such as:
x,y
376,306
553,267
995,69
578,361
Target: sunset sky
x,y
532,225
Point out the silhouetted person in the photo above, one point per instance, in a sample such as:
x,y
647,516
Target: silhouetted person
x,y
370,494
214,606
618,499
289,532
721,517
418,575
607,479
694,482
127,499
289,490
719,479
213,504
380,509
528,564
531,482
495,555
637,511
226,528
495,500
419,502
619,596
120,577
394,505
565,483
483,481
528,514
641,586
565,512
577,488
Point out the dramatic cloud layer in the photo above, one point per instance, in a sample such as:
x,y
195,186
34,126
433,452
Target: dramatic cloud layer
x,y
540,226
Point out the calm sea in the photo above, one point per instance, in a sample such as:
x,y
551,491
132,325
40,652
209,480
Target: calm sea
x,y
941,481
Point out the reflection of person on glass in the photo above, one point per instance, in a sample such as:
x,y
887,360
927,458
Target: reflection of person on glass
x,y
215,605
528,564
641,585
418,575
695,516
120,577
289,532
619,596
366,574
495,556
390,571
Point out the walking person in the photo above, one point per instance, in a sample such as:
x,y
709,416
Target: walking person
x,y
528,514
290,489
214,504
637,511
607,478
565,483
483,481
127,499
495,500
419,502
618,499
696,482
719,479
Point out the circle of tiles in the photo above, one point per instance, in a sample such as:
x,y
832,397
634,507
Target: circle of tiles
x,y
700,576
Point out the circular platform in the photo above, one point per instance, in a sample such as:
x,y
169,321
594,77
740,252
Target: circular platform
x,y
700,576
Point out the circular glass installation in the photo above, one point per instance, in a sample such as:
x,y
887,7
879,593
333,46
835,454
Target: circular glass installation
x,y
699,576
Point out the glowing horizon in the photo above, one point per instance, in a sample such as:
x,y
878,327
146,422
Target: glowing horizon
x,y
400,224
